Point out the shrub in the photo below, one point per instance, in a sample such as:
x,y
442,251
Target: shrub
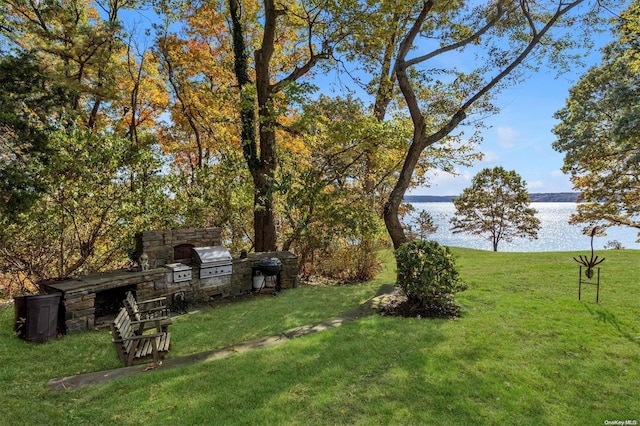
x,y
614,245
348,263
428,278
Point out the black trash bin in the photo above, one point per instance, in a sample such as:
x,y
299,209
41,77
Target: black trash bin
x,y
37,317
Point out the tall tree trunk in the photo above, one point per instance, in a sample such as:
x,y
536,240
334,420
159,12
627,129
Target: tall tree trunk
x,y
262,168
383,99
265,230
387,81
391,207
264,224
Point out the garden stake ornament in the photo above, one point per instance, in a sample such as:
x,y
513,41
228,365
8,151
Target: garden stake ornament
x,y
590,263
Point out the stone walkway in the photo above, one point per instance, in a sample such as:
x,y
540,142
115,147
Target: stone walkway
x,y
367,308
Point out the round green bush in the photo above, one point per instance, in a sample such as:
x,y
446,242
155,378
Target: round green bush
x,y
428,277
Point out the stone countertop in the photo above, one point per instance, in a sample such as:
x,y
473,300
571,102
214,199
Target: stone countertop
x,y
107,280
282,255
96,281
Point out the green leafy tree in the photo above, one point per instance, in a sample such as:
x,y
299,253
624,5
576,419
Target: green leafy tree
x,y
506,39
77,46
599,132
26,102
87,219
78,152
425,224
496,206
326,213
417,226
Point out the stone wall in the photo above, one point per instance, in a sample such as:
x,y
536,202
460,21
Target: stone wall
x,y
78,306
242,278
77,310
79,295
159,245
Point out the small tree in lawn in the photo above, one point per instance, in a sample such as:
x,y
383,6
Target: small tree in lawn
x,y
426,225
496,206
428,277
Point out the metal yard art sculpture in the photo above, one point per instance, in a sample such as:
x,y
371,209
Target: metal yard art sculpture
x,y
590,263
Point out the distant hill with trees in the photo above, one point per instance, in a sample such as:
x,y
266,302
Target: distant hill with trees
x,y
552,197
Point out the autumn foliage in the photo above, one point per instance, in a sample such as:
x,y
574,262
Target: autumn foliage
x,y
134,115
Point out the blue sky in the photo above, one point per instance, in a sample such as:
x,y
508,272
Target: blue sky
x,y
519,137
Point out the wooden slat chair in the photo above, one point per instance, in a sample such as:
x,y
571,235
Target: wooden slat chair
x,y
147,309
132,346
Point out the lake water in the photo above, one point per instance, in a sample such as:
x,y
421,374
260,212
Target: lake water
x,y
555,233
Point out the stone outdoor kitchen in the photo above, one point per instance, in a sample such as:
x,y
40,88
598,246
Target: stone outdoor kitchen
x,y
176,265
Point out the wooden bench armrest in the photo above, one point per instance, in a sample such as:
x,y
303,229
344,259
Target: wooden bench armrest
x,y
143,336
157,299
146,320
151,310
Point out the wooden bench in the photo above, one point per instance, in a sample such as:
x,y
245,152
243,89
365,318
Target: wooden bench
x,y
146,310
132,346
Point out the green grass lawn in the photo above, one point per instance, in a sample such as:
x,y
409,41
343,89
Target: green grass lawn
x,y
525,351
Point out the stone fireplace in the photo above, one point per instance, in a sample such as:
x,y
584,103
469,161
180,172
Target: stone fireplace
x,y
89,300
174,245
108,302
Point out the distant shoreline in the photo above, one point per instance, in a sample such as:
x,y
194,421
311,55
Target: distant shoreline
x,y
554,197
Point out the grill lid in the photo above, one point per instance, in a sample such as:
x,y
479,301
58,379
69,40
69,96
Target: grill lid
x,y
214,255
270,266
177,267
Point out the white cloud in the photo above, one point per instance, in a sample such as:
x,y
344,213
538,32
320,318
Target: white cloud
x,y
441,183
559,182
506,137
535,185
490,157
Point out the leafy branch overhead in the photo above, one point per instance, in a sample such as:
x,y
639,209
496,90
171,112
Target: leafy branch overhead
x,y
223,113
506,38
598,131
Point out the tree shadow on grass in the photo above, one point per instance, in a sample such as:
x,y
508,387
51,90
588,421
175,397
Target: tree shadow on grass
x,y
603,315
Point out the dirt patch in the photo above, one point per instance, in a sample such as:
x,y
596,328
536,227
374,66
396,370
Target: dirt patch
x,y
400,306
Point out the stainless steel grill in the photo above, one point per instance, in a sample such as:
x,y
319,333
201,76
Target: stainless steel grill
x,y
213,261
179,272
